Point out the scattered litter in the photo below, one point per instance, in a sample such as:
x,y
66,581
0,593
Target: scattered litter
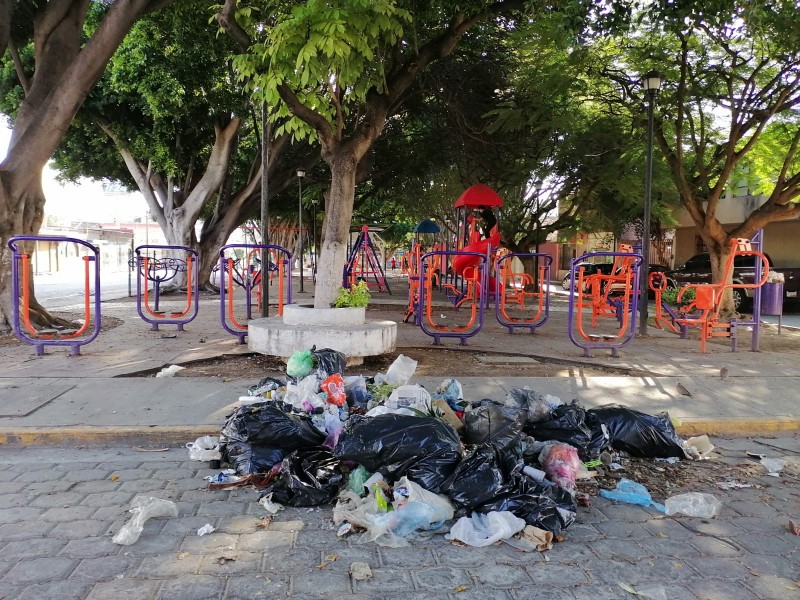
x,y
328,560
170,371
794,527
651,592
270,506
561,463
207,528
224,560
733,485
300,364
360,571
344,529
700,444
204,448
755,455
143,508
484,530
630,492
168,336
693,504
226,476
142,449
399,372
773,465
532,538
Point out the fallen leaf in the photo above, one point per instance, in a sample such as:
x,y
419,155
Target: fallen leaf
x,y
628,588
182,555
264,522
114,477
461,588
224,560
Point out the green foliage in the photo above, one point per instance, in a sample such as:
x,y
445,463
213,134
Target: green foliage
x,y
320,49
357,296
670,296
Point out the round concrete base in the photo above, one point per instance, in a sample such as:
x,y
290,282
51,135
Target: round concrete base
x,y
351,335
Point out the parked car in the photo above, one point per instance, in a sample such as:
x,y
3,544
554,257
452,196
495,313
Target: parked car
x,y
697,270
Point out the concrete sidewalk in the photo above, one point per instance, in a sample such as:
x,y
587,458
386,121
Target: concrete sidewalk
x,y
93,398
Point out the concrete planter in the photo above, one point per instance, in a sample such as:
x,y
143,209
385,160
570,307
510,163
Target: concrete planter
x,y
302,326
306,314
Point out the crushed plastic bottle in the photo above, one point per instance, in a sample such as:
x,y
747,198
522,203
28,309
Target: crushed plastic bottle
x,y
694,504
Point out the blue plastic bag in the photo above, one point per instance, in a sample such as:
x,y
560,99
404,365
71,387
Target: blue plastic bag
x,y
630,492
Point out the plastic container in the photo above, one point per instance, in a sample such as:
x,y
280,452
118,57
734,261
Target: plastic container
x,y
693,504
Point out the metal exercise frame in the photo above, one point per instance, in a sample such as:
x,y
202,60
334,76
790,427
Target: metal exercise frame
x,y
517,295
160,270
475,294
53,337
622,308
250,277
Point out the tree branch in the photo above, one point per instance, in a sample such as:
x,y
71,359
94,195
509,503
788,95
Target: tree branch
x,y
23,79
227,20
312,117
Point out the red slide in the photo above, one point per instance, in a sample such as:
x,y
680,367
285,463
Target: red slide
x,y
462,263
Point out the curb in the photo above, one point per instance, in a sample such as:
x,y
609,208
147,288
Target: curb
x,y
174,436
178,436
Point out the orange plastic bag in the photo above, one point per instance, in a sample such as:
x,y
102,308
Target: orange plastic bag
x,y
334,387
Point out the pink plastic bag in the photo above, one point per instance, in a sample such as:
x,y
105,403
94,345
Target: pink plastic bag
x,y
561,463
334,387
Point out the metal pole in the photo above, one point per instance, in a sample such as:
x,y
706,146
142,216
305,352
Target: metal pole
x,y
300,226
265,135
648,183
314,243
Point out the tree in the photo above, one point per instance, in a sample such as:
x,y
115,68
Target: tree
x,y
733,87
67,62
342,69
166,119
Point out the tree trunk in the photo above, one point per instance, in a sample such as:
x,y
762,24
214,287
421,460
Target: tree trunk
x,y
338,215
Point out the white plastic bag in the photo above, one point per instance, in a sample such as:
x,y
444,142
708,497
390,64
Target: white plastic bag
x,y
693,504
143,508
399,372
204,448
409,396
169,371
305,396
484,530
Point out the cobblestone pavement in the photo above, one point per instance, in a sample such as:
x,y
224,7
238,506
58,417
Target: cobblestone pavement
x,y
60,507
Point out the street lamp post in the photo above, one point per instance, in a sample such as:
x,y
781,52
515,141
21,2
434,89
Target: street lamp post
x,y
300,174
651,82
314,251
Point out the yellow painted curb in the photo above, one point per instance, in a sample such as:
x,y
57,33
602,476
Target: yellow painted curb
x,y
738,427
96,436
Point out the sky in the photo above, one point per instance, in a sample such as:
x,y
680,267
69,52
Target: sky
x,y
86,201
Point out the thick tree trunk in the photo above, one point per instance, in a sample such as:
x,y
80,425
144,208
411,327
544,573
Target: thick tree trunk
x,y
333,253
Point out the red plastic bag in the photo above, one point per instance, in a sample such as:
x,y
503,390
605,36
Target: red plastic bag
x,y
334,387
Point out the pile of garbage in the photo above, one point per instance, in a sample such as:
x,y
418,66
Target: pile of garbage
x,y
400,461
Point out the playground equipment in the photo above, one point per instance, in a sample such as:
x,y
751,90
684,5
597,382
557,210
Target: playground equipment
x,y
510,291
704,311
470,238
55,336
471,296
159,270
248,275
363,264
605,296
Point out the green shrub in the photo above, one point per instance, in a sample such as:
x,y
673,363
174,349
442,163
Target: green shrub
x,y
670,296
357,296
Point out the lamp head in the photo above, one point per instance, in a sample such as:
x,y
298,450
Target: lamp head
x,y
652,82
301,173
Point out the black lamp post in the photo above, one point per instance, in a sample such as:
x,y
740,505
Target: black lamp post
x,y
651,82
314,251
300,174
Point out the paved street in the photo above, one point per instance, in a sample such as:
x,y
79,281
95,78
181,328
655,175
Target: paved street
x,y
60,507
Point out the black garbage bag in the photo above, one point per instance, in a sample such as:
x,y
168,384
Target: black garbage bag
x,y
493,423
551,508
569,425
247,458
639,434
329,362
425,449
265,426
309,477
477,478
